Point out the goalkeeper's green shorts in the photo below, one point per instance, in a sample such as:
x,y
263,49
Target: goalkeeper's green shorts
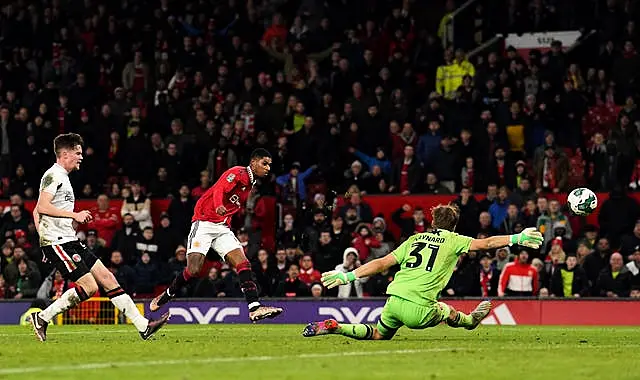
x,y
398,312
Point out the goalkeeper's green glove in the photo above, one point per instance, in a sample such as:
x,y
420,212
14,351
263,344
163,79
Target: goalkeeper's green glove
x,y
336,278
529,237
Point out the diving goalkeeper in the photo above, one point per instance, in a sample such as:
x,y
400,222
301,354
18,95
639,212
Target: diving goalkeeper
x,y
427,261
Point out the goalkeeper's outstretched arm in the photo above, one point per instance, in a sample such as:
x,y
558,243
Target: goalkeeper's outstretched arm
x,y
337,278
529,237
375,266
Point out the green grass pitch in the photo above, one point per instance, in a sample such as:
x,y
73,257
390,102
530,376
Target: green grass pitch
x,y
280,352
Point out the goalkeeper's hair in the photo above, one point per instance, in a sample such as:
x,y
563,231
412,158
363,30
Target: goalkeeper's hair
x,y
67,141
260,153
445,217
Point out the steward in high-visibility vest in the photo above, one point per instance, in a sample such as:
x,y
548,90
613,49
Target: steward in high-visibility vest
x,y
450,75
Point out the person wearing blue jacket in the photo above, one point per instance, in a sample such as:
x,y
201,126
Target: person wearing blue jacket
x,y
294,181
379,160
429,144
498,209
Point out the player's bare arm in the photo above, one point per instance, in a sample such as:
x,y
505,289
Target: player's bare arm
x,y
529,237
44,207
335,278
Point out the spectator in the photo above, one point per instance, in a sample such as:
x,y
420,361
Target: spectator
x,y
288,234
266,273
552,171
547,220
350,262
308,274
595,262
96,246
125,276
469,212
362,210
53,286
281,261
27,281
356,176
615,279
428,145
489,277
410,226
106,219
211,286
633,266
125,239
178,262
630,242
317,290
147,275
492,194
519,278
311,234
570,280
498,209
380,159
15,221
168,239
205,183
327,255
12,272
138,206
512,218
433,186
486,227
181,210
292,286
406,173
293,187
146,244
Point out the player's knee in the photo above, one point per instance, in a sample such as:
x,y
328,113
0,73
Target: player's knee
x,y
194,263
88,286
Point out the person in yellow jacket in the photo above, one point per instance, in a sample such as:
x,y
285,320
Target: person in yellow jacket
x,y
450,75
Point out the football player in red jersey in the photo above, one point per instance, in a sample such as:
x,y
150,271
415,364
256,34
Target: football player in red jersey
x,y
210,229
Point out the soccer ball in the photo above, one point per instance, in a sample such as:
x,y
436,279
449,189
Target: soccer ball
x,y
582,201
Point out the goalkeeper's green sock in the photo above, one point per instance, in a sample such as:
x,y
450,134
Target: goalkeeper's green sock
x,y
357,331
461,320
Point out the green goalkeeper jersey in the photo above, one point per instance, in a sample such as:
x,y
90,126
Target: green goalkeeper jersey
x,y
426,263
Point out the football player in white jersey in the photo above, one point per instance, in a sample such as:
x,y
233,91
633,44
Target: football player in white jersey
x,y
54,218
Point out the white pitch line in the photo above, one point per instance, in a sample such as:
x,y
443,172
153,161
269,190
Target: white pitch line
x,y
91,366
99,331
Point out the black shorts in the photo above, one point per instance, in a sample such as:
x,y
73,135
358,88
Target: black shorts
x,y
72,259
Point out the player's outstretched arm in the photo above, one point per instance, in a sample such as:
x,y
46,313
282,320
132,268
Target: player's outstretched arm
x,y
44,207
529,237
335,278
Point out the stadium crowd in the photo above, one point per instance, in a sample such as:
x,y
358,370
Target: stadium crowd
x,y
351,97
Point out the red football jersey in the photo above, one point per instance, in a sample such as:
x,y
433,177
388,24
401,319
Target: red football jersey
x,y
231,191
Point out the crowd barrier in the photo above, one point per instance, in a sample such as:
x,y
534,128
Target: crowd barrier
x,y
590,312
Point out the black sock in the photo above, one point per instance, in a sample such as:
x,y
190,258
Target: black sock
x,y
248,286
181,280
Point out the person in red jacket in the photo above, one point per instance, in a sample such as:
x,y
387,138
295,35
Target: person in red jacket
x,y
363,241
308,274
106,219
519,278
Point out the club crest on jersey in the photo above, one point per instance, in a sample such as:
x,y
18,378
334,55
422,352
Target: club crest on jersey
x,y
231,177
244,188
76,258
